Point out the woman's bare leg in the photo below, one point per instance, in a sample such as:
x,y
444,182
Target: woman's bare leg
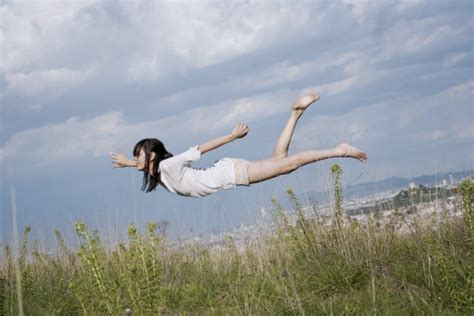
x,y
281,147
262,170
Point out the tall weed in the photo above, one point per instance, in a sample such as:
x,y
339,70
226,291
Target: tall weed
x,y
307,266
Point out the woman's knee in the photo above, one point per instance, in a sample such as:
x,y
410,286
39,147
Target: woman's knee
x,y
290,164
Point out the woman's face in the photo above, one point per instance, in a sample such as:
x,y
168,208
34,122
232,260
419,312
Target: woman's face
x,y
140,160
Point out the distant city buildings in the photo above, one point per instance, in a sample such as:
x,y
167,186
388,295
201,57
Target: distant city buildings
x,y
265,223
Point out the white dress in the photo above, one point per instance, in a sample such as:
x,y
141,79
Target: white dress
x,y
177,175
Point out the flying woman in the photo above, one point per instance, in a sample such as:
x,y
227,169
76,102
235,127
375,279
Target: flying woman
x,y
175,173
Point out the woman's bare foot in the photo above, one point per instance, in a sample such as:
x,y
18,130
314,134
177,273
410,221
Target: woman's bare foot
x,y
302,103
347,150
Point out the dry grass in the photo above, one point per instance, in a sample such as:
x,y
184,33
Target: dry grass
x,y
307,268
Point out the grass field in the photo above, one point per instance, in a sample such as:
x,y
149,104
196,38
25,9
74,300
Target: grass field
x,y
344,268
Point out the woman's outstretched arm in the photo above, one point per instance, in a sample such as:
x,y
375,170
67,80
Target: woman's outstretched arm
x,y
239,131
120,161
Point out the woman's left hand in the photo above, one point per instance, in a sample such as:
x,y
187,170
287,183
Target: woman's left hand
x,y
240,131
120,161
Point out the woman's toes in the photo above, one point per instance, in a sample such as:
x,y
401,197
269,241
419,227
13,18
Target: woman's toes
x,y
305,101
363,157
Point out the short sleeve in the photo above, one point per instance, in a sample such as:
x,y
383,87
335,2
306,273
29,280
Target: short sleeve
x,y
192,154
175,164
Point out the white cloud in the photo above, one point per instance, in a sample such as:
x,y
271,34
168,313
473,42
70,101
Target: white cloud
x,y
246,110
358,68
455,58
455,133
56,46
47,82
432,118
463,132
38,107
32,30
407,37
287,72
359,72
199,34
430,135
358,8
278,74
463,88
336,87
329,130
408,4
64,141
147,40
72,139
365,10
450,97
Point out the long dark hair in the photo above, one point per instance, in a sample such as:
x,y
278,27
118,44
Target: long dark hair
x,y
151,145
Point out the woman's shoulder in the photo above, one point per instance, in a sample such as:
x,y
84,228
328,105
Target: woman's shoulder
x,y
170,163
191,154
165,162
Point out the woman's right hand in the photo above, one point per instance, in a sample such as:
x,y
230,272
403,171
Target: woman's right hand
x,y
120,161
240,131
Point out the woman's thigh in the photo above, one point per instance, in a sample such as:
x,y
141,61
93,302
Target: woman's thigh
x,y
261,170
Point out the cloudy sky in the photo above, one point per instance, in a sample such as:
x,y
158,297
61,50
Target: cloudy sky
x,y
82,78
